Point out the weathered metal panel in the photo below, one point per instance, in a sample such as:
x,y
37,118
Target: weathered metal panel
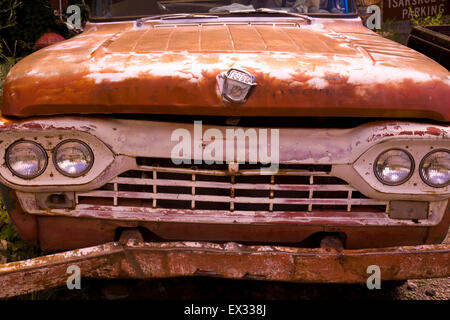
x,y
26,224
136,259
408,210
332,67
130,138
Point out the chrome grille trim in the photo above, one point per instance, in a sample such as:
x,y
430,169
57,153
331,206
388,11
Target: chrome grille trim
x,y
226,185
193,190
193,197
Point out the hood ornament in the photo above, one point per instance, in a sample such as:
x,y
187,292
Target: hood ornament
x,y
235,85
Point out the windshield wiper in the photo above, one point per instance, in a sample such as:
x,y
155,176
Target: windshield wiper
x,y
170,16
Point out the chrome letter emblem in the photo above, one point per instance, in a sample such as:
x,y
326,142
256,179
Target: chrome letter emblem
x,y
235,85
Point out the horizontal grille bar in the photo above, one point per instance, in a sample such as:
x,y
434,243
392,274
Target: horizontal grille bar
x,y
189,197
244,172
230,187
226,185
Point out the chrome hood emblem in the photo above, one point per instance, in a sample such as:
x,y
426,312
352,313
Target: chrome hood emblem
x,y
235,85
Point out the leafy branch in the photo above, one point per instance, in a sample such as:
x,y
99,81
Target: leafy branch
x,y
10,12
426,21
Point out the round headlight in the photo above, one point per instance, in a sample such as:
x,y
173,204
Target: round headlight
x,y
435,168
394,167
26,159
73,158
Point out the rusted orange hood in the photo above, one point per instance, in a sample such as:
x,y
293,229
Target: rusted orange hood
x,y
327,68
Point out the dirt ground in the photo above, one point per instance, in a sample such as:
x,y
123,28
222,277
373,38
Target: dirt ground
x,y
239,290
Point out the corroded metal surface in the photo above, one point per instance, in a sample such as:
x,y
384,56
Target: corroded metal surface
x,y
345,150
46,272
331,67
127,139
26,225
132,258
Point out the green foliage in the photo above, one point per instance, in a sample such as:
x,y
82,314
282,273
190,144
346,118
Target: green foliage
x,y
17,249
7,60
22,22
389,31
8,13
416,20
31,19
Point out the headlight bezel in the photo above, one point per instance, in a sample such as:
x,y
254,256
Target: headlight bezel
x,y
421,167
411,172
85,171
40,172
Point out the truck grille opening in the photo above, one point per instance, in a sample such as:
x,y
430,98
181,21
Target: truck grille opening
x,y
160,184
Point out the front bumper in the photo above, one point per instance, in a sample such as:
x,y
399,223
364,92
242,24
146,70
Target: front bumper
x,y
133,258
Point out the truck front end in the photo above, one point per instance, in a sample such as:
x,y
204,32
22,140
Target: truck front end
x,y
244,140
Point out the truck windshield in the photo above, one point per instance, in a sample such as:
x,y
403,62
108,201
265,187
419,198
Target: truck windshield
x,y
144,8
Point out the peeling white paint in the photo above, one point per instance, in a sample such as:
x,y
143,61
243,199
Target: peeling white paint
x,y
318,83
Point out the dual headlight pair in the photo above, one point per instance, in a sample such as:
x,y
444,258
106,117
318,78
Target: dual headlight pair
x,y
394,167
28,159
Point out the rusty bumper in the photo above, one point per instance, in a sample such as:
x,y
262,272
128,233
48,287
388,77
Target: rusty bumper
x,y
136,259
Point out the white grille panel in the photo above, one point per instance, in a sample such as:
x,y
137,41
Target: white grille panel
x,y
293,188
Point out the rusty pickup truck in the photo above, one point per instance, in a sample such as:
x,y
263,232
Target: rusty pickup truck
x,y
269,140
